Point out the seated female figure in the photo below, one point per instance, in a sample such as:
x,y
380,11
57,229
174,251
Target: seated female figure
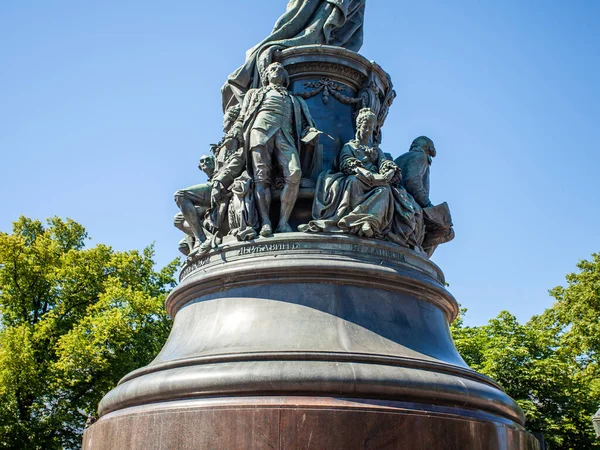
x,y
365,198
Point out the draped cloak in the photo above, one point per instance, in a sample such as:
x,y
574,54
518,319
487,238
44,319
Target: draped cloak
x,y
305,22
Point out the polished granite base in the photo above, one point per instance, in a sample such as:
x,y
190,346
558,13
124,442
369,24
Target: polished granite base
x,y
293,423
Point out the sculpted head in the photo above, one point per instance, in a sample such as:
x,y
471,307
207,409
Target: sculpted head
x,y
423,144
231,115
207,165
365,124
276,74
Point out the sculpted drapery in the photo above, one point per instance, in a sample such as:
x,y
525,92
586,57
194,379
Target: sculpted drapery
x,y
305,22
365,198
347,203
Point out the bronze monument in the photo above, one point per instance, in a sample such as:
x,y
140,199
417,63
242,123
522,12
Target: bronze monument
x,y
335,336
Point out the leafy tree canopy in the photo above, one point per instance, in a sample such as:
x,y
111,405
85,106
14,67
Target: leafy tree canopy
x,y
550,364
73,321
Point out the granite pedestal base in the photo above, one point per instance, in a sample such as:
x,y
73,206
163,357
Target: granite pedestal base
x,y
293,423
306,341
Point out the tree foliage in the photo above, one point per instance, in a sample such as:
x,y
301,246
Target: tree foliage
x,y
550,364
74,320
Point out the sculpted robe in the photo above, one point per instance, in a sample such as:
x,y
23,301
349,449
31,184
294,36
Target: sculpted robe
x,y
305,22
345,203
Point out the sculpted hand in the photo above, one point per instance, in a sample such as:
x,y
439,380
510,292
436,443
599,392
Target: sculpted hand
x,y
308,130
237,131
349,166
388,175
387,165
390,172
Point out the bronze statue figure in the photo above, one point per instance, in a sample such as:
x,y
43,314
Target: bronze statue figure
x,y
415,166
365,197
193,203
271,125
204,206
415,169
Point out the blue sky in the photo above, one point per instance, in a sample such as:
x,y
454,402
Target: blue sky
x,y
106,107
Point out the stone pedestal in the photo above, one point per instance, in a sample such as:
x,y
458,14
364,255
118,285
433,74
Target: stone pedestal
x,y
306,341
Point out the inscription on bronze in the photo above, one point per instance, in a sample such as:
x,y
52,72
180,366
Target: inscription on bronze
x,y
385,253
279,247
195,265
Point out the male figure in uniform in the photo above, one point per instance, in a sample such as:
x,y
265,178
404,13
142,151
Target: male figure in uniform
x,y
271,125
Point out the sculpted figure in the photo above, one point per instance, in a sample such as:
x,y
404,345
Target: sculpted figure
x,y
204,206
415,166
305,22
365,198
415,169
271,125
193,203
233,192
243,218
230,164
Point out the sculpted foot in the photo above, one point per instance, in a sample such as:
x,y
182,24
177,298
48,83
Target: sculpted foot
x,y
284,228
246,235
266,230
199,250
204,247
366,230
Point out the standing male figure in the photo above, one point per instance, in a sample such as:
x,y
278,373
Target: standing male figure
x,y
271,125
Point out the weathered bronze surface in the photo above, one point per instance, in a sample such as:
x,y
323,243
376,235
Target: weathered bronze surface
x,y
414,166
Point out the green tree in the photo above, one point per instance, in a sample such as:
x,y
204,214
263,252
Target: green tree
x,y
577,313
550,364
74,320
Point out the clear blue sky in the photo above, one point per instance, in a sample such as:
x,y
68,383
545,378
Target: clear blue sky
x,y
106,107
